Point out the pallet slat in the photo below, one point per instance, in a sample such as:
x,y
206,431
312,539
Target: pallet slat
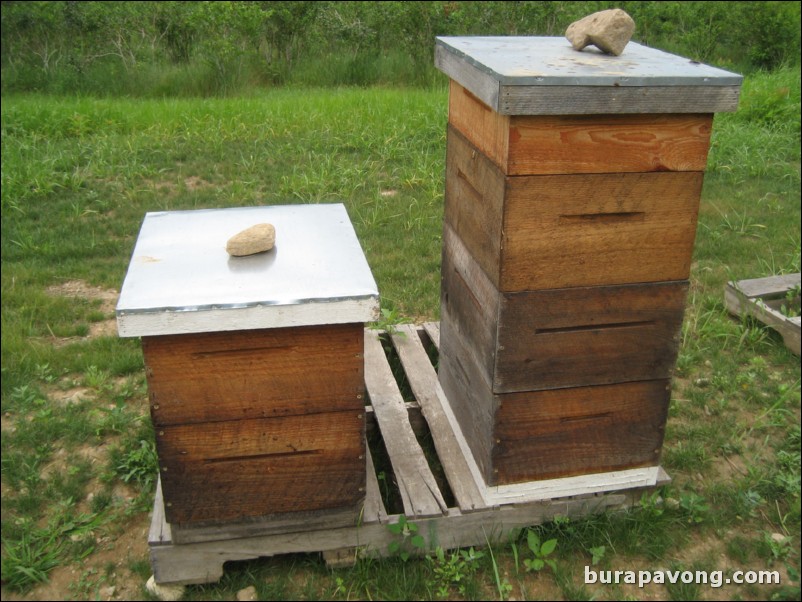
x,y
752,297
419,491
423,380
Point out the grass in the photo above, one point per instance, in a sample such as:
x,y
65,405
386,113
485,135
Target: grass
x,y
78,174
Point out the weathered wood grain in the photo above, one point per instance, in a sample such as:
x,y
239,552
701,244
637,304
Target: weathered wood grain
x,y
465,387
469,305
217,376
563,231
570,143
418,488
558,231
475,192
552,338
202,562
585,430
762,299
484,85
769,287
486,129
507,508
225,471
587,336
422,379
432,329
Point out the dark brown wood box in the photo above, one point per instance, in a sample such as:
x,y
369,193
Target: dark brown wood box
x,y
261,422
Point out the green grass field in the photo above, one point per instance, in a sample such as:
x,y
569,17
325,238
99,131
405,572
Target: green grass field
x,y
78,463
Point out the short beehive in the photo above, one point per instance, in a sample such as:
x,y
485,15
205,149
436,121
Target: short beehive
x,y
573,183
254,364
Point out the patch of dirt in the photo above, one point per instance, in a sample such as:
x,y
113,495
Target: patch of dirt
x,y
70,396
82,290
729,468
194,183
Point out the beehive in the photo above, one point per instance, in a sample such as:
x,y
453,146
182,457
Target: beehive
x,y
254,364
573,183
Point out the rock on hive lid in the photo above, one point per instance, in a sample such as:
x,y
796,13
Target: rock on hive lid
x,y
546,76
182,280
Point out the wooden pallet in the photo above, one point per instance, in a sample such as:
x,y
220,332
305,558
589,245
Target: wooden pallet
x,y
458,513
762,299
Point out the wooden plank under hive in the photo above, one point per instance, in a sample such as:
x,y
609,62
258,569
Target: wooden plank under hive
x,y
255,365
573,183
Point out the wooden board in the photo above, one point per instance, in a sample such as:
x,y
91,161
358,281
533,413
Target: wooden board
x,y
418,487
587,336
763,298
571,144
559,231
565,432
474,521
227,471
422,379
469,307
548,339
246,374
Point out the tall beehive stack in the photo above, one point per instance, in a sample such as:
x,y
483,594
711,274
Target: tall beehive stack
x,y
573,182
254,364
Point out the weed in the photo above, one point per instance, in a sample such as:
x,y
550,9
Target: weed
x,y
453,570
390,319
680,589
694,507
541,552
776,547
503,586
790,306
409,538
140,464
597,554
28,560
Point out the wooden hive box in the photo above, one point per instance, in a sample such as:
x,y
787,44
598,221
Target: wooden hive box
x,y
573,182
254,364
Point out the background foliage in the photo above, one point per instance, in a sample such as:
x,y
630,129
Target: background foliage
x,y
212,48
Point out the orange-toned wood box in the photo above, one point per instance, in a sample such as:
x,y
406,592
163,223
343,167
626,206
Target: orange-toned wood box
x,y
573,184
254,364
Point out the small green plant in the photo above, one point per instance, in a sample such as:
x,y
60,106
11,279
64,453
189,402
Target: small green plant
x,y
453,569
777,546
409,538
139,465
541,550
693,507
28,560
597,554
390,319
95,377
790,307
651,504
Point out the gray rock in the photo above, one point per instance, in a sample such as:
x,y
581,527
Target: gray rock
x,y
608,30
256,239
